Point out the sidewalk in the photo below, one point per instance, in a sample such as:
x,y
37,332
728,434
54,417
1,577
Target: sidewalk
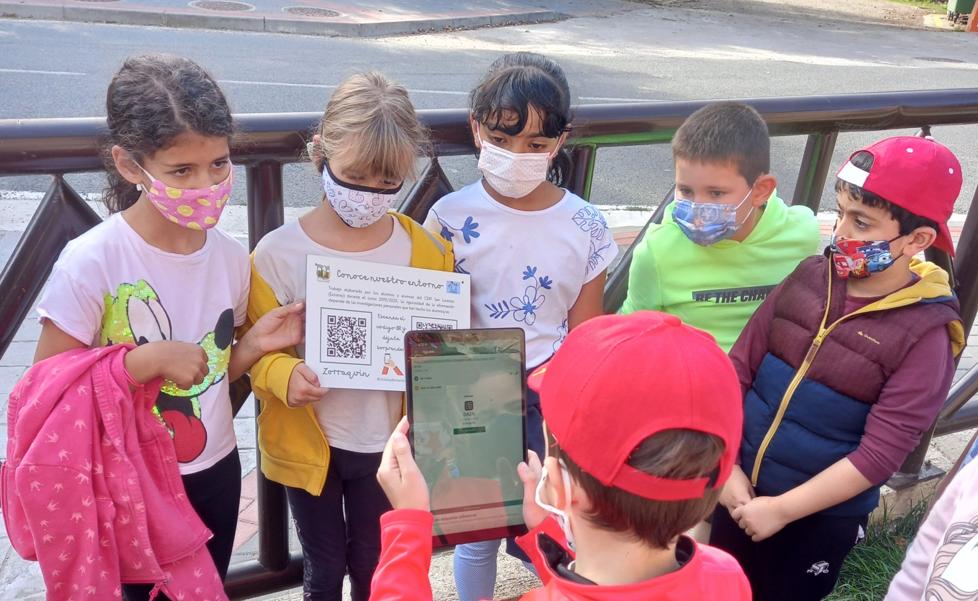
x,y
364,18
20,579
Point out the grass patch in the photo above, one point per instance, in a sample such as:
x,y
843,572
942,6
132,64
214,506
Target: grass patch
x,y
934,6
871,565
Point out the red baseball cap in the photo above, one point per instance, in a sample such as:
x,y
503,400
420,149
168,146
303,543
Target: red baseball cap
x,y
919,174
619,379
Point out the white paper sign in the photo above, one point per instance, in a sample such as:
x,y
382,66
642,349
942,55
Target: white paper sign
x,y
358,312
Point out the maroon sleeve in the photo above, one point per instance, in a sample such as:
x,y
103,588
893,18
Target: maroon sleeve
x,y
908,404
747,353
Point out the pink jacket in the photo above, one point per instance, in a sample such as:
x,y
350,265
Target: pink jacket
x,y
91,488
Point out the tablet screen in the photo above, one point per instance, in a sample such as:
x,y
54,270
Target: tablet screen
x,y
466,405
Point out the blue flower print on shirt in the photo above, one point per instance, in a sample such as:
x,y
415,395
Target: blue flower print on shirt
x,y
469,230
527,305
561,334
590,220
596,257
531,274
523,308
459,268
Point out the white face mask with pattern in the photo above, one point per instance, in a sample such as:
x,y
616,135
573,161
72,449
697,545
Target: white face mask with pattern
x,y
357,206
513,174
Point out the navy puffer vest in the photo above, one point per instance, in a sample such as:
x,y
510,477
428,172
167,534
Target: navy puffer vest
x,y
823,420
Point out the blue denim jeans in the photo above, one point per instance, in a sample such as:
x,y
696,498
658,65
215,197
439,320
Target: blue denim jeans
x,y
475,563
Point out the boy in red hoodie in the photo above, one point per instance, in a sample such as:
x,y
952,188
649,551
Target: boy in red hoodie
x,y
643,418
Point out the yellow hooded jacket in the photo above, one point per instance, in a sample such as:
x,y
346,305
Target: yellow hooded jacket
x,y
294,449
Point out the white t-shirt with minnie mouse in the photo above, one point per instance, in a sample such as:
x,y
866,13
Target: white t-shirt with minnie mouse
x,y
527,267
111,286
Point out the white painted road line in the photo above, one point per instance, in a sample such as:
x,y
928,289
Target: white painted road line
x,y
614,99
281,84
323,86
39,72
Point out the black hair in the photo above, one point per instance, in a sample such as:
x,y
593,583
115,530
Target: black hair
x,y
726,132
153,99
908,221
518,83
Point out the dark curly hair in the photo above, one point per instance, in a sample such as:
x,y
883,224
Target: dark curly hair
x,y
907,220
153,99
520,82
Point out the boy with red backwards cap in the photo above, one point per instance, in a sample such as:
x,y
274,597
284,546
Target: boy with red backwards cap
x,y
843,367
644,418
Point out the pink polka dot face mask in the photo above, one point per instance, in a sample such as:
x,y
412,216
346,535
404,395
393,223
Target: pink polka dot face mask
x,y
192,208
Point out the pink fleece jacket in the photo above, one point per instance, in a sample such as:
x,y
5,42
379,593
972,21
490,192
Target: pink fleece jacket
x,y
91,488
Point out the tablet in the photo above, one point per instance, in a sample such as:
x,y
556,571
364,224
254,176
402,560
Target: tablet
x,y
466,401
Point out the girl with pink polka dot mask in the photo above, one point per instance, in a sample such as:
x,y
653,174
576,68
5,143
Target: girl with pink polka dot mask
x,y
192,208
157,276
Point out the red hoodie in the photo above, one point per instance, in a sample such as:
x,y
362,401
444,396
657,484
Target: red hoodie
x,y
402,573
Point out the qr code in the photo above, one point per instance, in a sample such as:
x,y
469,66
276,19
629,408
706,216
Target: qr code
x,y
346,337
433,323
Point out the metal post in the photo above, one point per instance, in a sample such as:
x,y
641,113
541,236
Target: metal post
x,y
266,207
61,216
432,185
616,288
248,580
582,170
814,169
959,405
265,213
914,468
966,266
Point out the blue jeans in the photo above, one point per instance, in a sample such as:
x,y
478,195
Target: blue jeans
x,y
475,563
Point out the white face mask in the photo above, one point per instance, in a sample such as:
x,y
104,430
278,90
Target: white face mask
x,y
357,206
513,174
560,514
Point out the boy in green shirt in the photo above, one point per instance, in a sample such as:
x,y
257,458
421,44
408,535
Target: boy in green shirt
x,y
727,240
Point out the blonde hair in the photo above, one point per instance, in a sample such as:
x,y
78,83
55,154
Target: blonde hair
x,y
373,118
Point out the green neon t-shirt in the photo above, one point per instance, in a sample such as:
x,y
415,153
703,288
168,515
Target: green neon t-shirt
x,y
717,288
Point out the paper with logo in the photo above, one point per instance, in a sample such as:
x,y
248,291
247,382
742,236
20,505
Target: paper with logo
x,y
358,312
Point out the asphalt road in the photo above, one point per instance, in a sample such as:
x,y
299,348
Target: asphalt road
x,y
51,69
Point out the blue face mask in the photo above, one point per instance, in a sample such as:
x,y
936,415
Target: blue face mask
x,y
707,223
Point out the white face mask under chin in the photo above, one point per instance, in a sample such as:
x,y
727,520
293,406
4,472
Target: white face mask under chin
x,y
559,514
513,174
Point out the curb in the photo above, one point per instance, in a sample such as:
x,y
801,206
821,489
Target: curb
x,y
939,21
257,23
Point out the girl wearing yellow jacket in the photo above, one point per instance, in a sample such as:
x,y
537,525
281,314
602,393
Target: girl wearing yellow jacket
x,y
323,444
